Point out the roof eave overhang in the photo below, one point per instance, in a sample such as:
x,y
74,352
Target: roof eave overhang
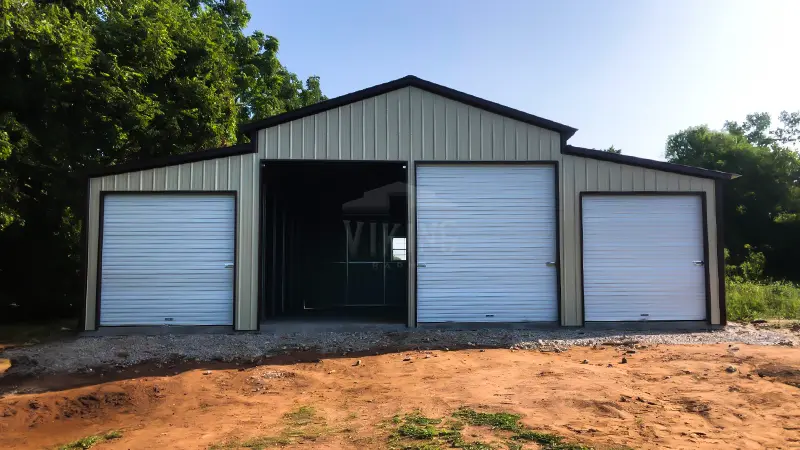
x,y
647,163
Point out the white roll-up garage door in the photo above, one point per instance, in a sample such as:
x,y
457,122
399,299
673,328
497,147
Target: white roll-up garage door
x,y
643,258
486,243
167,259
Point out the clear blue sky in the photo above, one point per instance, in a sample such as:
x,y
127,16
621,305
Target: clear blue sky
x,y
627,73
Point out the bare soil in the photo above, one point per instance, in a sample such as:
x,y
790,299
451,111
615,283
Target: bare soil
x,y
663,397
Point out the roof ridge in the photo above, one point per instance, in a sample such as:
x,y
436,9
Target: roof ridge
x,y
413,81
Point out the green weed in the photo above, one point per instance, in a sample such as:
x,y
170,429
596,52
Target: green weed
x,y
302,425
417,432
500,421
749,300
90,441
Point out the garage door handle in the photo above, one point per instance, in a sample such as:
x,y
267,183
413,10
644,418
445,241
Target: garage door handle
x,y
229,265
699,263
550,264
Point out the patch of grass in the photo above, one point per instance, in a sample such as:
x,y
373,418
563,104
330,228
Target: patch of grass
x,y
500,421
748,300
417,432
263,442
416,418
302,425
415,427
302,416
90,441
114,434
547,441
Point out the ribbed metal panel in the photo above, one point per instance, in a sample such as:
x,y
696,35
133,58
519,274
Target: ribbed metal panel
x,y
484,237
404,125
164,260
639,256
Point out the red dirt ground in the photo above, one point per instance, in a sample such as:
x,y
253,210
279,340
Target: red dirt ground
x,y
664,397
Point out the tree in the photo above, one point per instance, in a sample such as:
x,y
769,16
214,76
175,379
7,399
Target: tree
x,y
89,83
614,150
756,129
761,208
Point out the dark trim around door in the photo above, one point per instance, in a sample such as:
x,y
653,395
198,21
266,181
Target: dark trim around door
x,y
719,187
101,220
553,163
703,211
85,254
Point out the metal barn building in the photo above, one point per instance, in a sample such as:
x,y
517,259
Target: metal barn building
x,y
407,202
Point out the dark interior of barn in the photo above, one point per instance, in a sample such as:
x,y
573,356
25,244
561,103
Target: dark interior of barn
x,y
334,238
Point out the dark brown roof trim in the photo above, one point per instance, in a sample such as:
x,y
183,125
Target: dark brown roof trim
x,y
155,163
647,163
410,80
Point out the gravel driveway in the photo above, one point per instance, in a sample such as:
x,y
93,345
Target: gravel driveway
x,y
85,353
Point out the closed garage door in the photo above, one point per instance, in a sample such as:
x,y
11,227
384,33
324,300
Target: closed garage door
x,y
167,260
486,242
643,258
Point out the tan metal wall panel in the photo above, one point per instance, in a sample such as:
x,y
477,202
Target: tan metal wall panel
x,y
375,129
404,108
405,125
582,174
415,125
235,173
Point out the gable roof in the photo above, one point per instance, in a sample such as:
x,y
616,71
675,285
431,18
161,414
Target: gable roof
x,y
647,163
565,132
411,81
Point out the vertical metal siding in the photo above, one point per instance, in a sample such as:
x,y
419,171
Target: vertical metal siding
x,y
620,178
234,173
434,128
412,125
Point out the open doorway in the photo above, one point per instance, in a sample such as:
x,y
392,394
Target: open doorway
x,y
334,238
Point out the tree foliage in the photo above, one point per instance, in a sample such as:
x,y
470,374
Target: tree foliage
x,y
614,150
89,83
760,208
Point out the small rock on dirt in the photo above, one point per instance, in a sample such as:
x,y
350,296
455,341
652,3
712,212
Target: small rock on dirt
x,y
407,358
357,363
624,361
207,372
730,369
585,361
